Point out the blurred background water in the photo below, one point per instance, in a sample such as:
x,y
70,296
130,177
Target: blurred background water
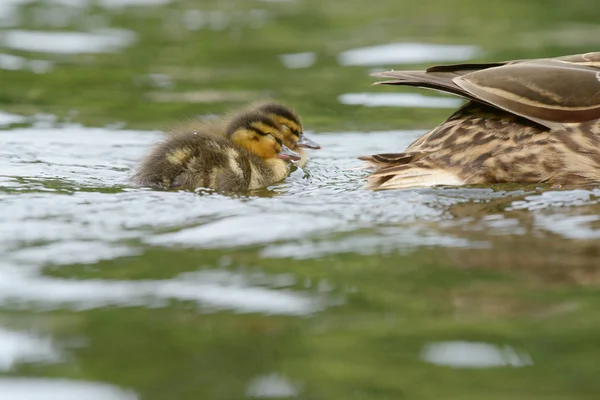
x,y
313,288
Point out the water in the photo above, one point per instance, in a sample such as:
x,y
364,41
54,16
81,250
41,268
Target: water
x,y
407,53
314,287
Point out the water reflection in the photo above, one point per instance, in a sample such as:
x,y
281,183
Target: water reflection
x,y
298,60
14,63
379,272
398,100
100,41
271,386
474,355
54,221
8,119
218,20
322,210
406,53
381,241
26,288
23,347
570,226
64,389
128,3
557,199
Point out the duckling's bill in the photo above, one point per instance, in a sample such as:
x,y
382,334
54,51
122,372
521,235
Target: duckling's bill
x,y
307,143
287,154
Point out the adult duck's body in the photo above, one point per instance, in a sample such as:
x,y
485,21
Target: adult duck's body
x,y
526,121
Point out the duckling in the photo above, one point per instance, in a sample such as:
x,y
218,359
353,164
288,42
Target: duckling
x,y
289,121
291,126
248,154
525,121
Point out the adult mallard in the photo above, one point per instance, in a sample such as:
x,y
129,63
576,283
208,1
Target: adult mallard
x,y
525,121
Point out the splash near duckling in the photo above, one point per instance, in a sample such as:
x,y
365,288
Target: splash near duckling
x,y
245,152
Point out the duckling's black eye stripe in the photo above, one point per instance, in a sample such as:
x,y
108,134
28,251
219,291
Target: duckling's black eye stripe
x,y
261,133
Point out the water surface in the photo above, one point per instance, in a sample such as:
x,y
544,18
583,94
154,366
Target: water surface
x,y
315,287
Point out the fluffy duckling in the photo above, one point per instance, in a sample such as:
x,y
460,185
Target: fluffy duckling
x,y
288,120
291,127
248,155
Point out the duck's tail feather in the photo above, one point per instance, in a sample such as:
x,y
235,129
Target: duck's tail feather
x,y
441,81
409,176
386,160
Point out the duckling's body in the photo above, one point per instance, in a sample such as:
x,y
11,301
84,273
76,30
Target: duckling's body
x,y
526,121
247,154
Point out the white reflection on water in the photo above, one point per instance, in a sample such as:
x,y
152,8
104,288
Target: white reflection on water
x,y
241,230
99,41
8,119
398,100
383,240
219,20
552,212
60,389
27,289
298,60
9,14
570,226
128,3
17,347
407,53
459,354
557,199
15,63
271,386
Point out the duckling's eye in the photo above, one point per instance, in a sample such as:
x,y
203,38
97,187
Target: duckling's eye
x,y
257,133
279,141
294,131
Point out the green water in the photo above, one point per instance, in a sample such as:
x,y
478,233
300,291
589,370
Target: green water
x,y
314,288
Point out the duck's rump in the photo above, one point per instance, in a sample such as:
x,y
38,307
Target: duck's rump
x,y
480,144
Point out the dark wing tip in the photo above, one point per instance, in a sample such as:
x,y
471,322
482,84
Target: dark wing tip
x,y
381,74
365,158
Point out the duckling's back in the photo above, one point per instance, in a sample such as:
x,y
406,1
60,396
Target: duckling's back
x,y
196,159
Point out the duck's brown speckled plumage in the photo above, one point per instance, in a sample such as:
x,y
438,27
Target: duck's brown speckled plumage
x,y
211,156
526,121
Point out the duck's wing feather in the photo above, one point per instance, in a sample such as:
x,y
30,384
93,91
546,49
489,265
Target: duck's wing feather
x,y
549,92
589,59
385,158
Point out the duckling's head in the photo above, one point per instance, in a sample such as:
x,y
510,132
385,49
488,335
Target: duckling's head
x,y
291,126
261,135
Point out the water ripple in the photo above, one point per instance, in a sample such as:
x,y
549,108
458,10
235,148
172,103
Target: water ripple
x,y
66,200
